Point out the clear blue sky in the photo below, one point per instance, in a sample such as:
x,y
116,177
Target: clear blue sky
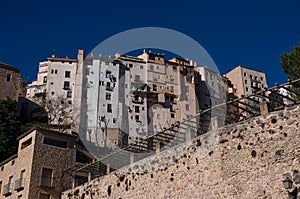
x,y
249,33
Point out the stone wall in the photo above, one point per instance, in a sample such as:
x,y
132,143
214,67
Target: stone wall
x,y
245,160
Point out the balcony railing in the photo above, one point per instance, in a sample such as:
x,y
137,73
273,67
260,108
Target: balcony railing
x,y
19,184
7,189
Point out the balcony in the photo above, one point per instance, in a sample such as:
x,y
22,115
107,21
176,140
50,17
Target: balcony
x,y
19,184
7,189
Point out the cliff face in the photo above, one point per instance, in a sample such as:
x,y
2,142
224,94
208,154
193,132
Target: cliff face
x,y
245,160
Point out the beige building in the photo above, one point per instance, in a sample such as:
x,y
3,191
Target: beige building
x,y
12,84
36,171
247,82
54,88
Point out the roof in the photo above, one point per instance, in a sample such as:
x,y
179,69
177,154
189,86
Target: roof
x,y
45,130
9,67
62,59
8,159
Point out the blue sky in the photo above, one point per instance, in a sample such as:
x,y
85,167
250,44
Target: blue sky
x,y
249,33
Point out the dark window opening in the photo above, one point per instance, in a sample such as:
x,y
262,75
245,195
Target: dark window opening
x,y
26,143
109,108
8,77
67,74
53,142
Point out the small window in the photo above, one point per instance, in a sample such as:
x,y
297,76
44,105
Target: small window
x,y
187,107
154,87
52,71
172,115
250,76
69,94
115,120
108,96
26,143
0,186
69,102
2,168
109,108
66,85
245,74
141,67
151,67
8,77
172,89
137,78
137,118
52,93
246,88
261,78
137,109
67,74
13,162
47,176
55,71
53,142
45,79
130,65
246,81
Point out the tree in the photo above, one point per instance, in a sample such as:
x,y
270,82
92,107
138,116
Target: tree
x,y
10,126
290,63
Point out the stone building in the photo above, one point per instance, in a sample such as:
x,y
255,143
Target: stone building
x,y
36,171
247,82
53,88
12,84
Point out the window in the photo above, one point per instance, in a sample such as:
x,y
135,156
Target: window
x,y
108,73
12,162
250,76
187,107
137,118
66,85
8,77
246,88
19,196
0,186
172,115
69,94
55,71
255,77
53,142
52,71
141,67
52,93
46,180
45,79
172,78
261,78
108,96
130,65
137,78
26,143
151,67
10,183
69,102
137,109
115,120
67,74
246,81
109,108
245,74
172,88
154,87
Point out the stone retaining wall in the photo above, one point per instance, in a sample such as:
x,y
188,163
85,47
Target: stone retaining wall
x,y
246,160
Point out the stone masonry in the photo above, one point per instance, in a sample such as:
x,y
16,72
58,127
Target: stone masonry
x,y
245,160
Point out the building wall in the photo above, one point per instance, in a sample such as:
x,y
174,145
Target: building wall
x,y
246,160
34,154
11,82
